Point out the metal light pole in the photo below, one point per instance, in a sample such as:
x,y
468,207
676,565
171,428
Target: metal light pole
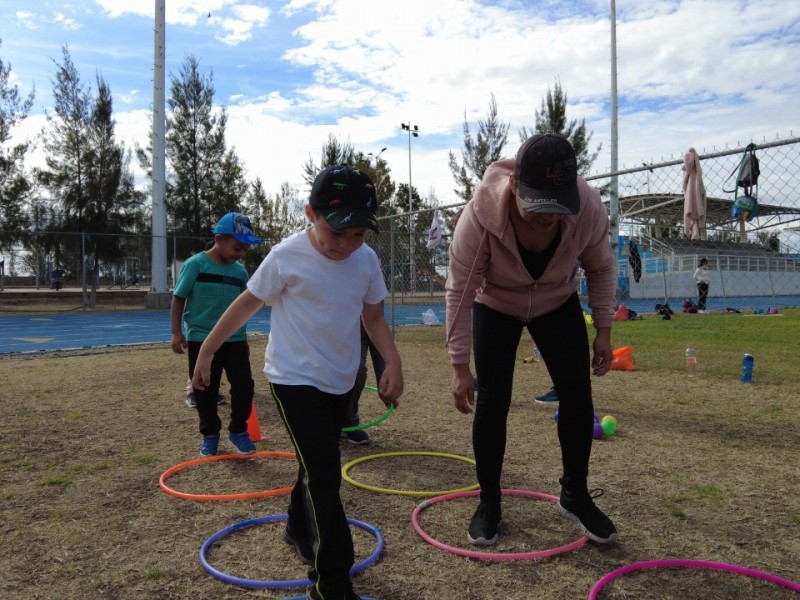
x,y
158,269
412,130
614,188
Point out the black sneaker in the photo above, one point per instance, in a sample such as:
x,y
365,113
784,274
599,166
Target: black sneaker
x,y
484,525
580,508
301,545
359,437
349,595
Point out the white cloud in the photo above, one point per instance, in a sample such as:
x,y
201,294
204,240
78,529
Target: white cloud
x,y
240,29
66,22
27,19
704,73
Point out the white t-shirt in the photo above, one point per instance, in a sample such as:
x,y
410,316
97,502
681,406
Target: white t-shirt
x,y
701,275
315,336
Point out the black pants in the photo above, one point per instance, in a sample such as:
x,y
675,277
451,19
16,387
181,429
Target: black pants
x,y
234,359
562,338
314,419
378,366
702,295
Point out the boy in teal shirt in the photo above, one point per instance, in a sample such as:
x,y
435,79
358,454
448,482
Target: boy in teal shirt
x,y
208,283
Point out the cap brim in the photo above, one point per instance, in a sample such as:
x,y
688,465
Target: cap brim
x,y
566,201
348,218
246,238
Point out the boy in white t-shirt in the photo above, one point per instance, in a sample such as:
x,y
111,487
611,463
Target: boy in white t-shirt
x,y
321,283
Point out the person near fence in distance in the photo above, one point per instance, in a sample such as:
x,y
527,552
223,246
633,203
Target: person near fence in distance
x,y
321,282
208,282
703,281
513,265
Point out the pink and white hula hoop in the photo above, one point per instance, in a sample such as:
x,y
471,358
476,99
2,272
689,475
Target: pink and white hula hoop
x,y
536,555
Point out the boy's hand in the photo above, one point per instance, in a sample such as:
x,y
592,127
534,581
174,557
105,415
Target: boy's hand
x,y
202,372
390,387
178,343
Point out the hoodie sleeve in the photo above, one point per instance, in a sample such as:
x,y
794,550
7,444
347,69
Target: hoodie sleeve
x,y
468,257
599,265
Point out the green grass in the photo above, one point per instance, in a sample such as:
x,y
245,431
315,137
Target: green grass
x,y
720,341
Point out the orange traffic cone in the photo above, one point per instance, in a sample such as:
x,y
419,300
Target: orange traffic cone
x,y
253,428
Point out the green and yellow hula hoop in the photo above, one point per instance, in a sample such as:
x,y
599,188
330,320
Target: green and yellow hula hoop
x,y
373,488
371,423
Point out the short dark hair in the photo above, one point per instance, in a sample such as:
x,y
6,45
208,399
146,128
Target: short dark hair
x,y
703,261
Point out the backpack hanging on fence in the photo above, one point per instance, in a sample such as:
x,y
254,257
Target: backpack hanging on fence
x,y
745,206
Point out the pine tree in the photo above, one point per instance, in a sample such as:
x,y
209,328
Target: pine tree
x,y
114,205
478,153
14,184
195,150
552,118
66,145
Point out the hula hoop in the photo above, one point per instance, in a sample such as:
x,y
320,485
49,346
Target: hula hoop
x,y
265,583
305,598
700,564
535,555
162,481
371,423
373,488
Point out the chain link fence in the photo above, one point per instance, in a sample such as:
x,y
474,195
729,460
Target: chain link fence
x,y
753,264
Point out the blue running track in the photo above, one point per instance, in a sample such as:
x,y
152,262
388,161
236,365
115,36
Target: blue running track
x,y
68,331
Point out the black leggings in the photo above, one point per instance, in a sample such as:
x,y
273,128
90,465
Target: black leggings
x,y
562,338
234,359
702,295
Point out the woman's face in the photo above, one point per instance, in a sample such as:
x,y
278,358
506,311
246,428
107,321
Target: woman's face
x,y
541,222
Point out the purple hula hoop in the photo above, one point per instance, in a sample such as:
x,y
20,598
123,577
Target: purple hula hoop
x,y
265,583
701,564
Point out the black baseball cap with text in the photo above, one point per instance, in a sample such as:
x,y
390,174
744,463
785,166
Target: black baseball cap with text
x,y
345,197
546,171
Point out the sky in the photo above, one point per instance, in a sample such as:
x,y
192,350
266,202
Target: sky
x,y
709,74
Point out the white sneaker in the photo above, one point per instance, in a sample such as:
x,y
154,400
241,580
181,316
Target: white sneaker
x,y
702,312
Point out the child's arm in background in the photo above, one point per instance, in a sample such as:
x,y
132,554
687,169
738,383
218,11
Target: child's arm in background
x,y
175,318
390,387
237,314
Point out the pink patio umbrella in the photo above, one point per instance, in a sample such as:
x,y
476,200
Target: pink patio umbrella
x,y
694,196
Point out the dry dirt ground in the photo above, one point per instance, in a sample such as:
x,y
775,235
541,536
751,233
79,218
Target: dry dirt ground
x,y
709,474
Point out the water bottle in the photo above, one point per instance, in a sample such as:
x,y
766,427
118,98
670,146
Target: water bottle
x,y
747,369
691,361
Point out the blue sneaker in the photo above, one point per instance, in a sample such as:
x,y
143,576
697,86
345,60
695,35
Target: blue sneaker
x,y
549,398
242,442
210,445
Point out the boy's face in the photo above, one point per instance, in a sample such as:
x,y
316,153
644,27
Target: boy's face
x,y
336,244
229,249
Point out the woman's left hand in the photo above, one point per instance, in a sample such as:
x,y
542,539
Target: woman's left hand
x,y
602,352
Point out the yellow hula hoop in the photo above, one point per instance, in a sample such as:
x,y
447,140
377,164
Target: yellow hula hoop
x,y
373,488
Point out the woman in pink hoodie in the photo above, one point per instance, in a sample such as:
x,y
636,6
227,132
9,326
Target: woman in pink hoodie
x,y
513,265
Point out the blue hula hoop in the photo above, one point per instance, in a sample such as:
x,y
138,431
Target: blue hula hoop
x,y
270,584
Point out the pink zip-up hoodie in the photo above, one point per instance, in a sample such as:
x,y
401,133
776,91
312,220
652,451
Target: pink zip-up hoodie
x,y
485,264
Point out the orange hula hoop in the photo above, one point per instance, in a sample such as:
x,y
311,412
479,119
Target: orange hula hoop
x,y
162,481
